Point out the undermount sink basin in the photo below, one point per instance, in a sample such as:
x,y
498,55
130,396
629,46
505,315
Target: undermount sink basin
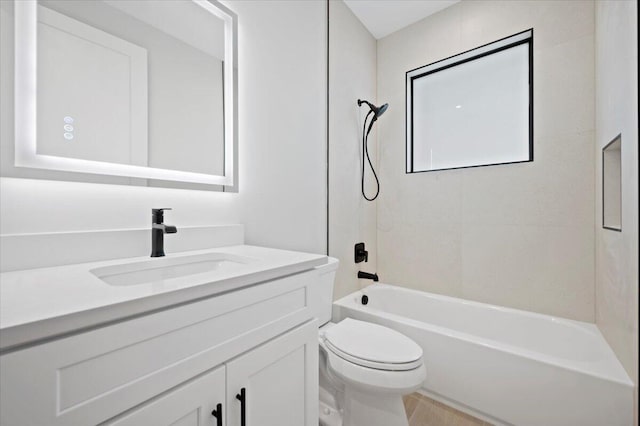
x,y
159,269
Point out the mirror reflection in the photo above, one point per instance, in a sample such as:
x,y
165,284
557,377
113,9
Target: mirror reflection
x,y
135,82
137,92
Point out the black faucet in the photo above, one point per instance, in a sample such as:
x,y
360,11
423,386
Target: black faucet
x,y
360,254
368,276
158,229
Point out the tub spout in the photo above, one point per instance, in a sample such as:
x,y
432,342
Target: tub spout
x,y
368,276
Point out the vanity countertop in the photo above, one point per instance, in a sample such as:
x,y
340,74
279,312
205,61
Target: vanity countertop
x,y
37,304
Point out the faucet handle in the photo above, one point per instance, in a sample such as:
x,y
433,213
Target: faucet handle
x,y
157,215
360,253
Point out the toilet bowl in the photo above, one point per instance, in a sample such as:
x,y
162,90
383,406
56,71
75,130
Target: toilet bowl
x,y
365,368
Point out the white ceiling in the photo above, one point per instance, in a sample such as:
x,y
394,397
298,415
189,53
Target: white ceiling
x,y
383,17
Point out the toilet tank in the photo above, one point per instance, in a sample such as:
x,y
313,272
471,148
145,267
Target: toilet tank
x,y
321,293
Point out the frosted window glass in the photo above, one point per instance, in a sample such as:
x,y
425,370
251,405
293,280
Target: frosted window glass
x,y
473,111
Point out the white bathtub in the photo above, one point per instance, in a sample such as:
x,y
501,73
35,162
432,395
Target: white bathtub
x,y
505,365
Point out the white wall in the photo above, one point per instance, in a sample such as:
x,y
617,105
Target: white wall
x,y
617,112
282,176
352,76
516,235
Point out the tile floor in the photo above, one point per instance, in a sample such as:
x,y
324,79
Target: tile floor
x,y
423,411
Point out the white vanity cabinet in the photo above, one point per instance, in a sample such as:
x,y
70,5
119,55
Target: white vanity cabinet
x,y
174,366
190,404
272,384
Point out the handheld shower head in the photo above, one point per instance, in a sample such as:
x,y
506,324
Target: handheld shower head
x,y
382,109
377,111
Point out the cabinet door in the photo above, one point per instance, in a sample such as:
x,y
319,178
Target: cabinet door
x,y
190,404
280,381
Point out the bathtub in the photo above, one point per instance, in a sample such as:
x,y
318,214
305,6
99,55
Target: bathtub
x,y
503,365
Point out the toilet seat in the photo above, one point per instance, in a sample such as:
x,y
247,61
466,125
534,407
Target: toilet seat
x,y
372,346
373,380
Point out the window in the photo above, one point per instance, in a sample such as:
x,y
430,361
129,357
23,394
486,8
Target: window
x,y
472,109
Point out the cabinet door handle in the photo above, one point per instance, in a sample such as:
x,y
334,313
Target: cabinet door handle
x,y
217,413
242,397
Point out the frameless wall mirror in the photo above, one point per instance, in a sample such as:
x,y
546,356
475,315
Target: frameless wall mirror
x,y
139,88
472,109
612,185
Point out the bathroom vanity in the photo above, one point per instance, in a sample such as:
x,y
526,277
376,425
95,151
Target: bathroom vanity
x,y
227,337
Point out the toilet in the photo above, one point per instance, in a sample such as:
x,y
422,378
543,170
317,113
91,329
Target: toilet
x,y
365,368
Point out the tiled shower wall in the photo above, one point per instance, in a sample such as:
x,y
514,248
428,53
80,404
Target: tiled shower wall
x,y
617,113
352,76
518,235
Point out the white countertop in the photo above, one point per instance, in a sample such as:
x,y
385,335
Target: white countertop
x,y
36,304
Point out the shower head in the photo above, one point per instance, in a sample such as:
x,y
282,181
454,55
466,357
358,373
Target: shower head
x,y
377,111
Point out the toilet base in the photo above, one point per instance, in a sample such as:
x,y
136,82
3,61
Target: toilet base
x,y
329,416
373,409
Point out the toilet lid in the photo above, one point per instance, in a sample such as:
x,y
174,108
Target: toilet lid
x,y
372,345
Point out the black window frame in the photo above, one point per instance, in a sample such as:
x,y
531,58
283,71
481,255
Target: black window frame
x,y
409,163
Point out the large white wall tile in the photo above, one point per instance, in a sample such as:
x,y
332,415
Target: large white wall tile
x,y
486,21
535,268
564,88
545,192
423,257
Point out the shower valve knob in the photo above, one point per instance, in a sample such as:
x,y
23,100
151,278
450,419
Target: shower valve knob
x,y
360,254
